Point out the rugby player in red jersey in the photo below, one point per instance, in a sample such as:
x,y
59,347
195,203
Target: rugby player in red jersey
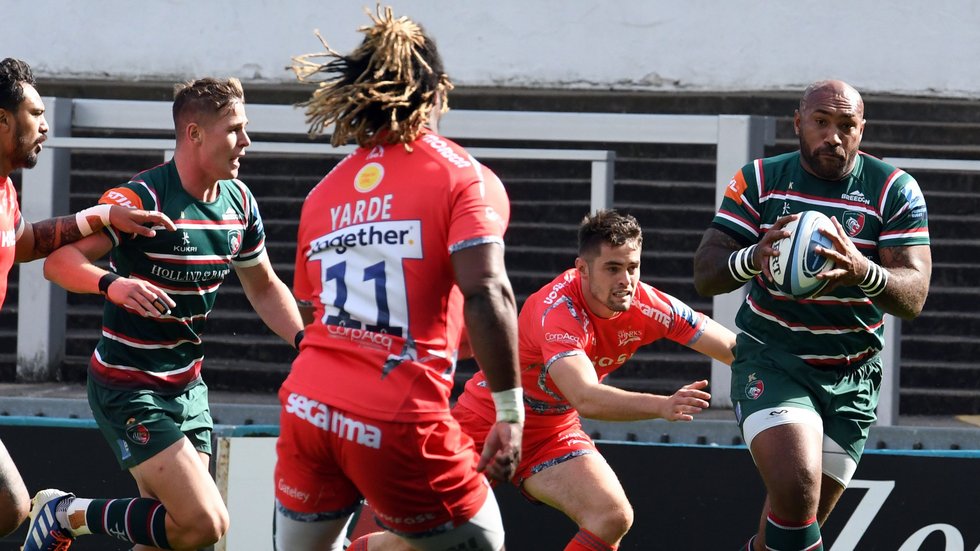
x,y
23,130
399,246
573,332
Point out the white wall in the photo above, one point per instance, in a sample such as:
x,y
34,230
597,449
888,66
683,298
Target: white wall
x,y
908,47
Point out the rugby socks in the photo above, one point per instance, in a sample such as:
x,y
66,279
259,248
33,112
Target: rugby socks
x,y
750,546
136,520
587,541
793,536
360,544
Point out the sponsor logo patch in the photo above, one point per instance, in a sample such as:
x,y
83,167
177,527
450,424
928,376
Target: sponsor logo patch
x,y
124,197
856,197
369,177
735,188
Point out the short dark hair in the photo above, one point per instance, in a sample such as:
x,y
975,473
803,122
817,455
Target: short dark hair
x,y
206,96
13,72
609,227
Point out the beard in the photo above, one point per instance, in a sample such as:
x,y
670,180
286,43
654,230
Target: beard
x,y
26,154
828,163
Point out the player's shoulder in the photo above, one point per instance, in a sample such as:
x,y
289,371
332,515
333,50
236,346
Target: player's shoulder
x,y
452,156
783,162
647,296
558,290
877,171
147,189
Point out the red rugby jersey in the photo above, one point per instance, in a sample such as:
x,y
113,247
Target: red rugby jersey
x,y
11,226
373,257
555,323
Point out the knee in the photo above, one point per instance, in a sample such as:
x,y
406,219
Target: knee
x,y
614,522
206,531
797,500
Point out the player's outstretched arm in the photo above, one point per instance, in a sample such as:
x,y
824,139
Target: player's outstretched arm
x,y
271,299
576,379
71,267
716,341
39,239
490,312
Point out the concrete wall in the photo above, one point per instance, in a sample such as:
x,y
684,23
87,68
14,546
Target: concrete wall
x,y
697,45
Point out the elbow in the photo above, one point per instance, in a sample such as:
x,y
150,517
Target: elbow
x,y
585,408
491,289
912,312
701,286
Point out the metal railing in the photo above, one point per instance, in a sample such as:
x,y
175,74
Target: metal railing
x,y
41,328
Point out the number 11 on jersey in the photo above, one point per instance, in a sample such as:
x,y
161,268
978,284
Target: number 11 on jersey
x,y
362,276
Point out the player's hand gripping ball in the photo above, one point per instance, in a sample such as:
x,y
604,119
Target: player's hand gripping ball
x,y
794,270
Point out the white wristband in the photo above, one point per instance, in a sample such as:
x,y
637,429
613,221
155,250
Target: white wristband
x,y
510,405
740,264
875,280
86,218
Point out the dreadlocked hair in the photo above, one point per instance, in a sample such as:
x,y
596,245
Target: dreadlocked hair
x,y
382,92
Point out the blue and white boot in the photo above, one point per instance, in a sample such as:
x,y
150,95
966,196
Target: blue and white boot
x,y
45,533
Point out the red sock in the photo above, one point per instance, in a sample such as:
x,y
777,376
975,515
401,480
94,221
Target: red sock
x,y
587,541
360,544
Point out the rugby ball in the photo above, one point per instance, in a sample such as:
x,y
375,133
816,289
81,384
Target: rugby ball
x,y
794,270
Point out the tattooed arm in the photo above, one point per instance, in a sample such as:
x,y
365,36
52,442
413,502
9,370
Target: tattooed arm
x,y
39,239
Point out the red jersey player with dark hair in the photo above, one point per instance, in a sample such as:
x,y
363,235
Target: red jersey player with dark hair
x,y
398,247
573,332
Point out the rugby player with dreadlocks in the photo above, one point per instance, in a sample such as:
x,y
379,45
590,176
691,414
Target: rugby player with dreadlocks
x,y
400,246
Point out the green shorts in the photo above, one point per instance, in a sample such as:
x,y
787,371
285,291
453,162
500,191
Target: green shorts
x,y
765,377
138,424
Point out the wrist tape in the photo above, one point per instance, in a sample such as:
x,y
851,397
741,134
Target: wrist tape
x,y
89,219
510,405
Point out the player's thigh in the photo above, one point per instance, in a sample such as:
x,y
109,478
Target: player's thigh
x,y
422,477
179,478
580,487
292,533
138,425
484,531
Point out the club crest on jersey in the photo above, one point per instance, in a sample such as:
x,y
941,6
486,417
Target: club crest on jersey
x,y
853,222
755,388
234,241
369,177
136,432
628,336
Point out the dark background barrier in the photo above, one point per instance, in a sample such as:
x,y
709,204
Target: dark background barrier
x,y
701,498
708,498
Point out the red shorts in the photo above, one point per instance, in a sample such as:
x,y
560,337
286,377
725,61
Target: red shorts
x,y
547,441
418,477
